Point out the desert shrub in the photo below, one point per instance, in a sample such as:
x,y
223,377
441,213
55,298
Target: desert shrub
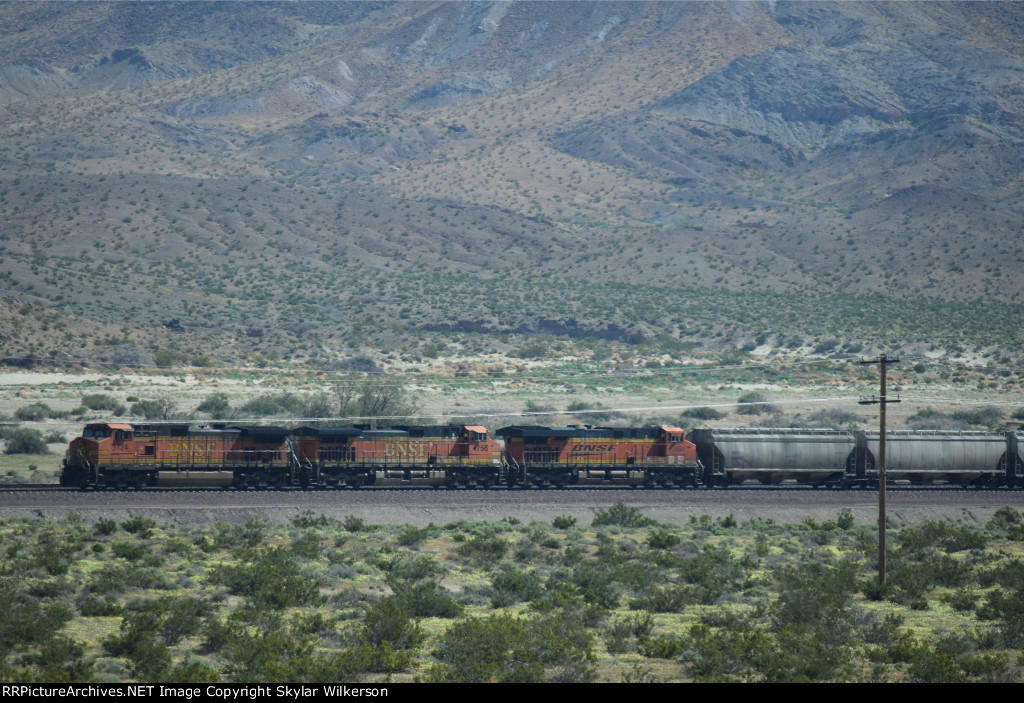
x,y
137,642
103,402
389,621
427,600
34,412
944,536
129,551
90,605
411,535
503,648
622,515
704,413
60,660
533,349
845,520
306,545
25,440
306,519
563,522
990,417
141,526
930,665
351,523
409,568
812,622
483,550
271,580
157,409
663,539
662,647
754,403
216,405
513,586
269,654
1007,608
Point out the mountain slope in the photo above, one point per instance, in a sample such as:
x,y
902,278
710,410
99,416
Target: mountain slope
x,y
316,180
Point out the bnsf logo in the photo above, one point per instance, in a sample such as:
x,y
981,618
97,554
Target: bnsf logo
x,y
190,448
580,448
404,449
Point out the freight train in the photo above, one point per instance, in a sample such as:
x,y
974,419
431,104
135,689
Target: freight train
x,y
115,455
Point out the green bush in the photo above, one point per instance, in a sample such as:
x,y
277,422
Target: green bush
x,y
704,413
513,586
34,412
390,621
663,539
506,649
25,440
271,580
156,409
216,405
103,402
622,515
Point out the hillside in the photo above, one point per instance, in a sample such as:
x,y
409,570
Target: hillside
x,y
232,182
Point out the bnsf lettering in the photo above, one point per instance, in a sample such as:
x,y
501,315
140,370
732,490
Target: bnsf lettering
x,y
580,448
190,448
405,449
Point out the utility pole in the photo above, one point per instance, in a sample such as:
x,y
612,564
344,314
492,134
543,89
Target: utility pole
x,y
882,401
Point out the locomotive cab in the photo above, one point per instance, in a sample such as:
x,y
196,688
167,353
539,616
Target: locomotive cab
x,y
101,446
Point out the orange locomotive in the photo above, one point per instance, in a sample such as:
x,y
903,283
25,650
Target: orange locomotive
x,y
126,456
453,455
634,456
122,456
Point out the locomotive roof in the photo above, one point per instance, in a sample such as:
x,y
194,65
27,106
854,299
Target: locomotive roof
x,y
443,431
328,431
537,432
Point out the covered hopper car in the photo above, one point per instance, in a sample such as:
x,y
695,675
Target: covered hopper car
x,y
849,457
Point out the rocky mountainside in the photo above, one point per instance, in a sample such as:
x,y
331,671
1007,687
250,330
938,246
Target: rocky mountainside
x,y
322,180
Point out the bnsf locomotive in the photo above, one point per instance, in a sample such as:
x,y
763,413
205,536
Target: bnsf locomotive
x,y
123,456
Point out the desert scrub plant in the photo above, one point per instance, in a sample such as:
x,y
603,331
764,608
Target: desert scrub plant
x,y
270,580
663,539
483,550
25,440
507,649
621,515
103,402
754,403
513,585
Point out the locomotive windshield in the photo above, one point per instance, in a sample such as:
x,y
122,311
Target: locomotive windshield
x,y
96,432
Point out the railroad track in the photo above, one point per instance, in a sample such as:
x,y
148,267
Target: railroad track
x,y
795,487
